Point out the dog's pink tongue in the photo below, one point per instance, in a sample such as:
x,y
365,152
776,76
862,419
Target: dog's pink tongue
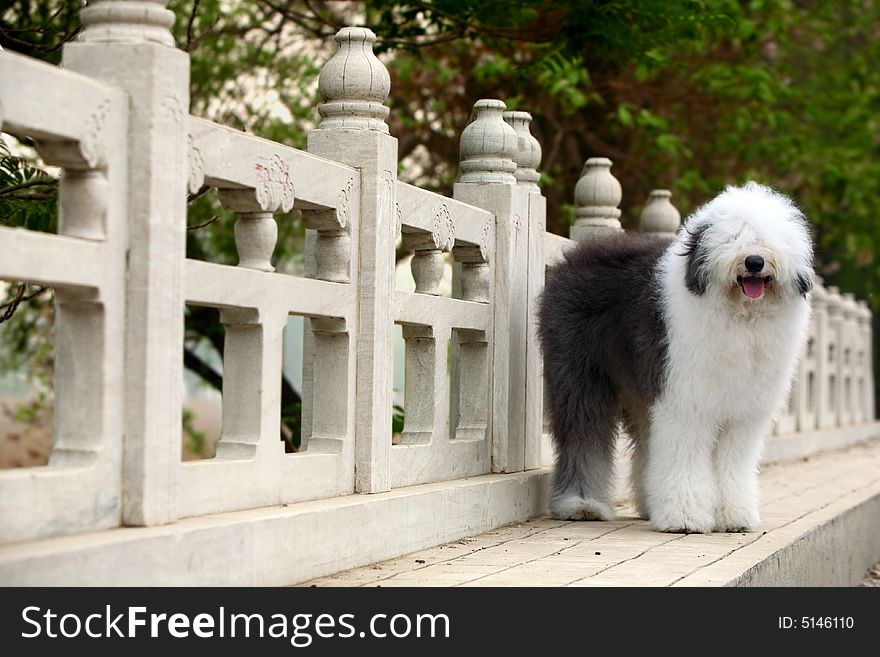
x,y
753,286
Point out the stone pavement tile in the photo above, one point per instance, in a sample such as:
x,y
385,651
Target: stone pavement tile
x,y
355,577
511,553
739,561
440,574
543,572
469,571
581,531
548,552
410,582
666,564
334,581
598,581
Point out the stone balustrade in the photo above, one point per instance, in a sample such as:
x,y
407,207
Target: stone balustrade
x,y
115,119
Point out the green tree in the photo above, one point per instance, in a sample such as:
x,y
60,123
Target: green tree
x,y
685,94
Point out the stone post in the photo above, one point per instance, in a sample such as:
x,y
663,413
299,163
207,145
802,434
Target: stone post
x,y
850,338
867,362
527,159
354,85
659,215
818,345
834,358
596,197
488,148
128,43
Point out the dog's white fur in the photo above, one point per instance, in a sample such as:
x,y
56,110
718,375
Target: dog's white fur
x,y
730,363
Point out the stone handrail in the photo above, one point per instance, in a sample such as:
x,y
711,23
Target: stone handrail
x,y
115,119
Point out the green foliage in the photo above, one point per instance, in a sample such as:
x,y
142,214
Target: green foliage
x,y
688,95
28,195
397,419
39,28
194,441
291,426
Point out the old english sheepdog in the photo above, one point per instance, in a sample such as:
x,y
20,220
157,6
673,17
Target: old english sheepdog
x,y
690,344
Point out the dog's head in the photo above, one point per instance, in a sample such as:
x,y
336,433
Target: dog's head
x,y
749,244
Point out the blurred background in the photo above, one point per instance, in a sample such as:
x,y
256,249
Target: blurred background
x,y
687,95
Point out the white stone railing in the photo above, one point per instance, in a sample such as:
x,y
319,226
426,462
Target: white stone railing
x,y
81,125
115,120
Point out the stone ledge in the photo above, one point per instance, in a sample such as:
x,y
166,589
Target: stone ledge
x,y
791,446
279,545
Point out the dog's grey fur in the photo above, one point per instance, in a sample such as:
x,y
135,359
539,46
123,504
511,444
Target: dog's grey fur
x,y
604,346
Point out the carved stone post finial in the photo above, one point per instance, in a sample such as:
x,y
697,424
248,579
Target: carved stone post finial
x,y
488,146
354,84
596,198
127,21
528,151
659,215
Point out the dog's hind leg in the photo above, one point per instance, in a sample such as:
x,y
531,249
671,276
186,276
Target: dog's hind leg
x,y
638,429
584,424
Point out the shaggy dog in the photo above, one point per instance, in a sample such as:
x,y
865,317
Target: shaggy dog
x,y
691,344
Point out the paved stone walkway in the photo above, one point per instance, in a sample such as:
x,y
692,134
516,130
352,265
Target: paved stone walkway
x,y
797,498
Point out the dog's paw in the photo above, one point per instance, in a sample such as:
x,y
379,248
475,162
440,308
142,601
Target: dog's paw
x,y
574,507
736,519
683,521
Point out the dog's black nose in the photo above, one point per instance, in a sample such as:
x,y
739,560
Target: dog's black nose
x,y
754,264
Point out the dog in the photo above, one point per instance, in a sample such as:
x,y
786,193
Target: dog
x,y
689,344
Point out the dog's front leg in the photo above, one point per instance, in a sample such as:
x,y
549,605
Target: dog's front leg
x,y
679,480
736,469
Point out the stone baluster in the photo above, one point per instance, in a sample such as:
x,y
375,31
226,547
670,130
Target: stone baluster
x,y
834,357
332,245
866,362
859,408
255,229
469,367
82,194
328,251
255,236
596,197
354,85
252,341
128,44
659,215
489,146
474,272
814,402
850,348
820,335
427,264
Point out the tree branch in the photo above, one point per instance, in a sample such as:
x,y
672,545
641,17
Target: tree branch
x,y
189,25
207,373
47,182
11,306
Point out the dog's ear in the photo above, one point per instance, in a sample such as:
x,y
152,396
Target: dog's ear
x,y
696,269
805,283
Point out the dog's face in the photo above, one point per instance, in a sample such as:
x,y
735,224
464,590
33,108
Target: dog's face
x,y
749,245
